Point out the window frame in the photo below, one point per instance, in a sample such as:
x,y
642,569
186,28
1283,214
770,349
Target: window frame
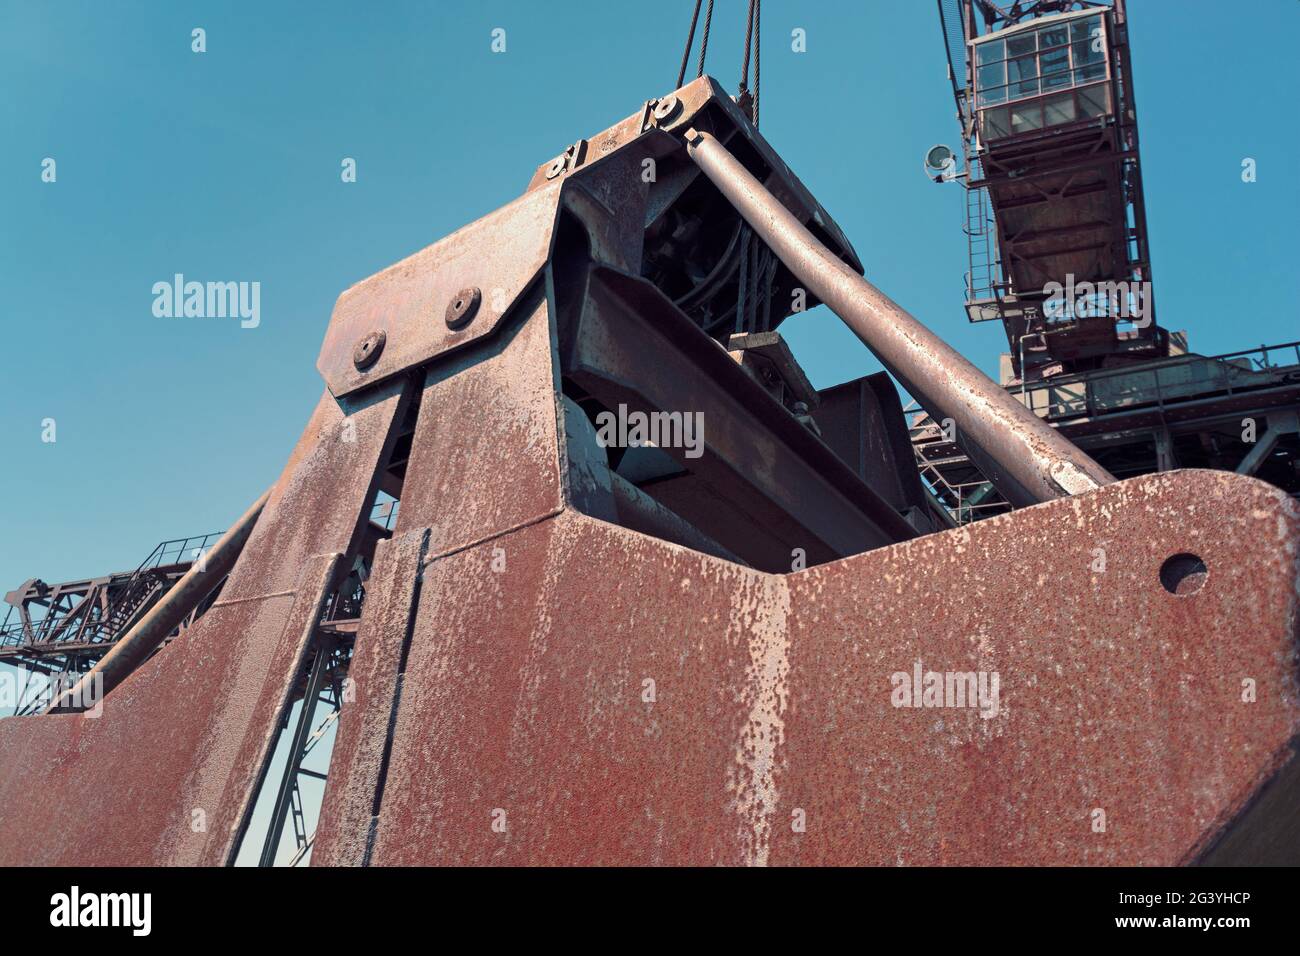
x,y
1072,69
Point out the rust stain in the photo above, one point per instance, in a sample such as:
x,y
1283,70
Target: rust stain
x,y
773,692
760,623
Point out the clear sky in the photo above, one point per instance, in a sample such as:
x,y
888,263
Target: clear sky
x,y
225,166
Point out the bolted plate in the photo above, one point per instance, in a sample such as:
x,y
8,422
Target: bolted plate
x,y
501,254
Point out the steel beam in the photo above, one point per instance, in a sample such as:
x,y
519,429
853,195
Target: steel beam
x,y
633,347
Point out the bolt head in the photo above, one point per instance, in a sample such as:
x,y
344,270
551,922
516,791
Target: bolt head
x,y
666,107
368,348
463,307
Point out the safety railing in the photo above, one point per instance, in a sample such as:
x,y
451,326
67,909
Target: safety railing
x,y
179,550
1156,384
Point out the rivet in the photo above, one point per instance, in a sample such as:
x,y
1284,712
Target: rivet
x,y
666,107
463,307
367,350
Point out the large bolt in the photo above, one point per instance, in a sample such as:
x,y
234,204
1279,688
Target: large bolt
x,y
666,107
368,348
463,307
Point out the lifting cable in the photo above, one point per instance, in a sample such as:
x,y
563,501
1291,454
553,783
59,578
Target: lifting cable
x,y
690,41
753,32
757,263
704,40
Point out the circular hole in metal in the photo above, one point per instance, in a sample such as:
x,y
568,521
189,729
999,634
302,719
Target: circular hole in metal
x,y
1183,574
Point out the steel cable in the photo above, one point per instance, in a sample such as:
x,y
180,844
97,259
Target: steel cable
x,y
690,41
704,40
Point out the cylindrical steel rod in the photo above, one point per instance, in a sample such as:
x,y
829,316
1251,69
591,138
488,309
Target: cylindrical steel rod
x,y
1025,458
140,641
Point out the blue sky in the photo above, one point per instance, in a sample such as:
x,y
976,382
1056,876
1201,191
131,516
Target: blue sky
x,y
225,166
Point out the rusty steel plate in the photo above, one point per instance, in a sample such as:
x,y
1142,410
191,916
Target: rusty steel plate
x,y
167,773
700,102
500,254
487,445
576,693
356,762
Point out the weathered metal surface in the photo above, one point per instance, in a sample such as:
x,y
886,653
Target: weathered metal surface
x,y
502,254
166,773
703,103
1115,694
1022,456
770,735
487,456
753,451
261,680
535,717
361,744
487,445
1268,832
651,136
609,200
534,685
863,423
